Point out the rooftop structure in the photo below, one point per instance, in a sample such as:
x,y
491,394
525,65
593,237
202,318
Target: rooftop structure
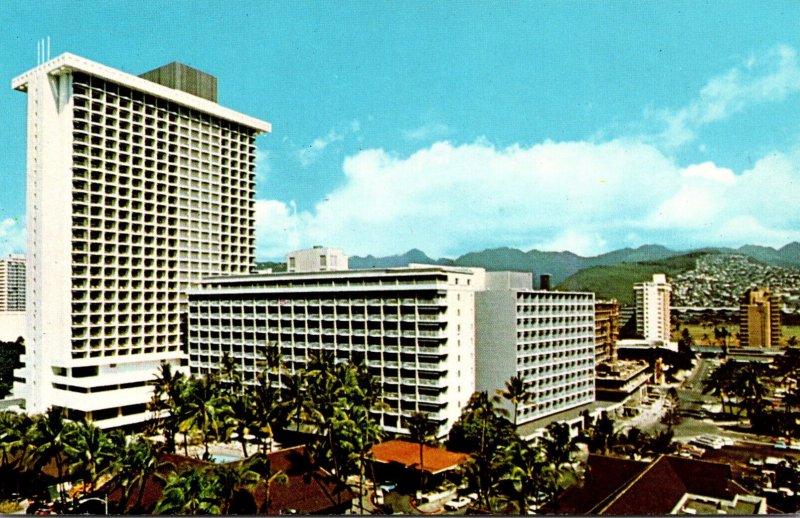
x,y
136,190
317,259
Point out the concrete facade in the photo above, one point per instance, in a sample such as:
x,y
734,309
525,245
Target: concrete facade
x,y
760,319
12,283
413,327
135,191
546,338
652,308
317,259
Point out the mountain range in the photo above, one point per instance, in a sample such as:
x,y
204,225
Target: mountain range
x,y
561,265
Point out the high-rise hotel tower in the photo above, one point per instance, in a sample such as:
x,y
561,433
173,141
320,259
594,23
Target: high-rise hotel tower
x,y
138,186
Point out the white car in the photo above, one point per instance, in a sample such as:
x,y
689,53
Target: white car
x,y
458,503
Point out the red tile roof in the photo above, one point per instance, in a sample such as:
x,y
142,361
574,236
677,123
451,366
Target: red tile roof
x,y
622,487
435,460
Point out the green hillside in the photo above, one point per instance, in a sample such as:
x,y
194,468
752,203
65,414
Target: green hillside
x,y
616,281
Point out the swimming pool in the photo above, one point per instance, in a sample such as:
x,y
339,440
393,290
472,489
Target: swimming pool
x,y
219,458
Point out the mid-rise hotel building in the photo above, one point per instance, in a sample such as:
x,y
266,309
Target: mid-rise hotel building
x,y
138,186
546,338
413,327
12,283
760,319
652,308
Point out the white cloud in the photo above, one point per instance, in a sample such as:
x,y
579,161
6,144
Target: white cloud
x,y
759,79
429,131
12,236
309,154
578,196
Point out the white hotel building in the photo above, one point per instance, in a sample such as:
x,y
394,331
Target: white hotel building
x,y
413,327
432,335
138,186
652,308
546,338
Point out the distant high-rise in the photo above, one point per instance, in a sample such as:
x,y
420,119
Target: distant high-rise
x,y
137,188
652,308
12,283
760,319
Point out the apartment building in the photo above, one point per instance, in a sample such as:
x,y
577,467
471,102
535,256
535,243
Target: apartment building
x,y
606,325
546,338
138,186
413,327
652,308
12,283
760,319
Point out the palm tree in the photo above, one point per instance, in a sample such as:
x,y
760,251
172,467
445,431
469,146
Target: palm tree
x,y
241,417
750,387
12,433
191,491
516,393
524,463
295,402
421,429
89,451
203,409
45,443
721,382
167,400
262,465
135,463
267,410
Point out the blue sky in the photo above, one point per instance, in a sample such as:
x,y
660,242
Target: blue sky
x,y
458,126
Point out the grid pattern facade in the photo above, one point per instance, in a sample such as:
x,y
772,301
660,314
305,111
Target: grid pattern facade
x,y
162,194
413,329
606,323
555,350
760,319
12,284
652,308
135,192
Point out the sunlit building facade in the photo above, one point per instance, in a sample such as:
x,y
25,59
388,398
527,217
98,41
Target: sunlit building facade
x,y
138,186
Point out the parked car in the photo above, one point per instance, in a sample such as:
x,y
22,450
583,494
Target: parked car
x,y
461,501
780,445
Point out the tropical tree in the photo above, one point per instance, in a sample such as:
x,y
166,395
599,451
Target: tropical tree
x,y
422,430
721,383
12,434
750,387
45,442
262,465
204,409
136,461
268,409
191,491
89,452
517,394
167,401
524,463
241,418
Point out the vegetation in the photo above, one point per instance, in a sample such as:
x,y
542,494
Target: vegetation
x,y
615,281
508,473
9,360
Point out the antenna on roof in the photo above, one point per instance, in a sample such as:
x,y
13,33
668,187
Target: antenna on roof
x,y
48,48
